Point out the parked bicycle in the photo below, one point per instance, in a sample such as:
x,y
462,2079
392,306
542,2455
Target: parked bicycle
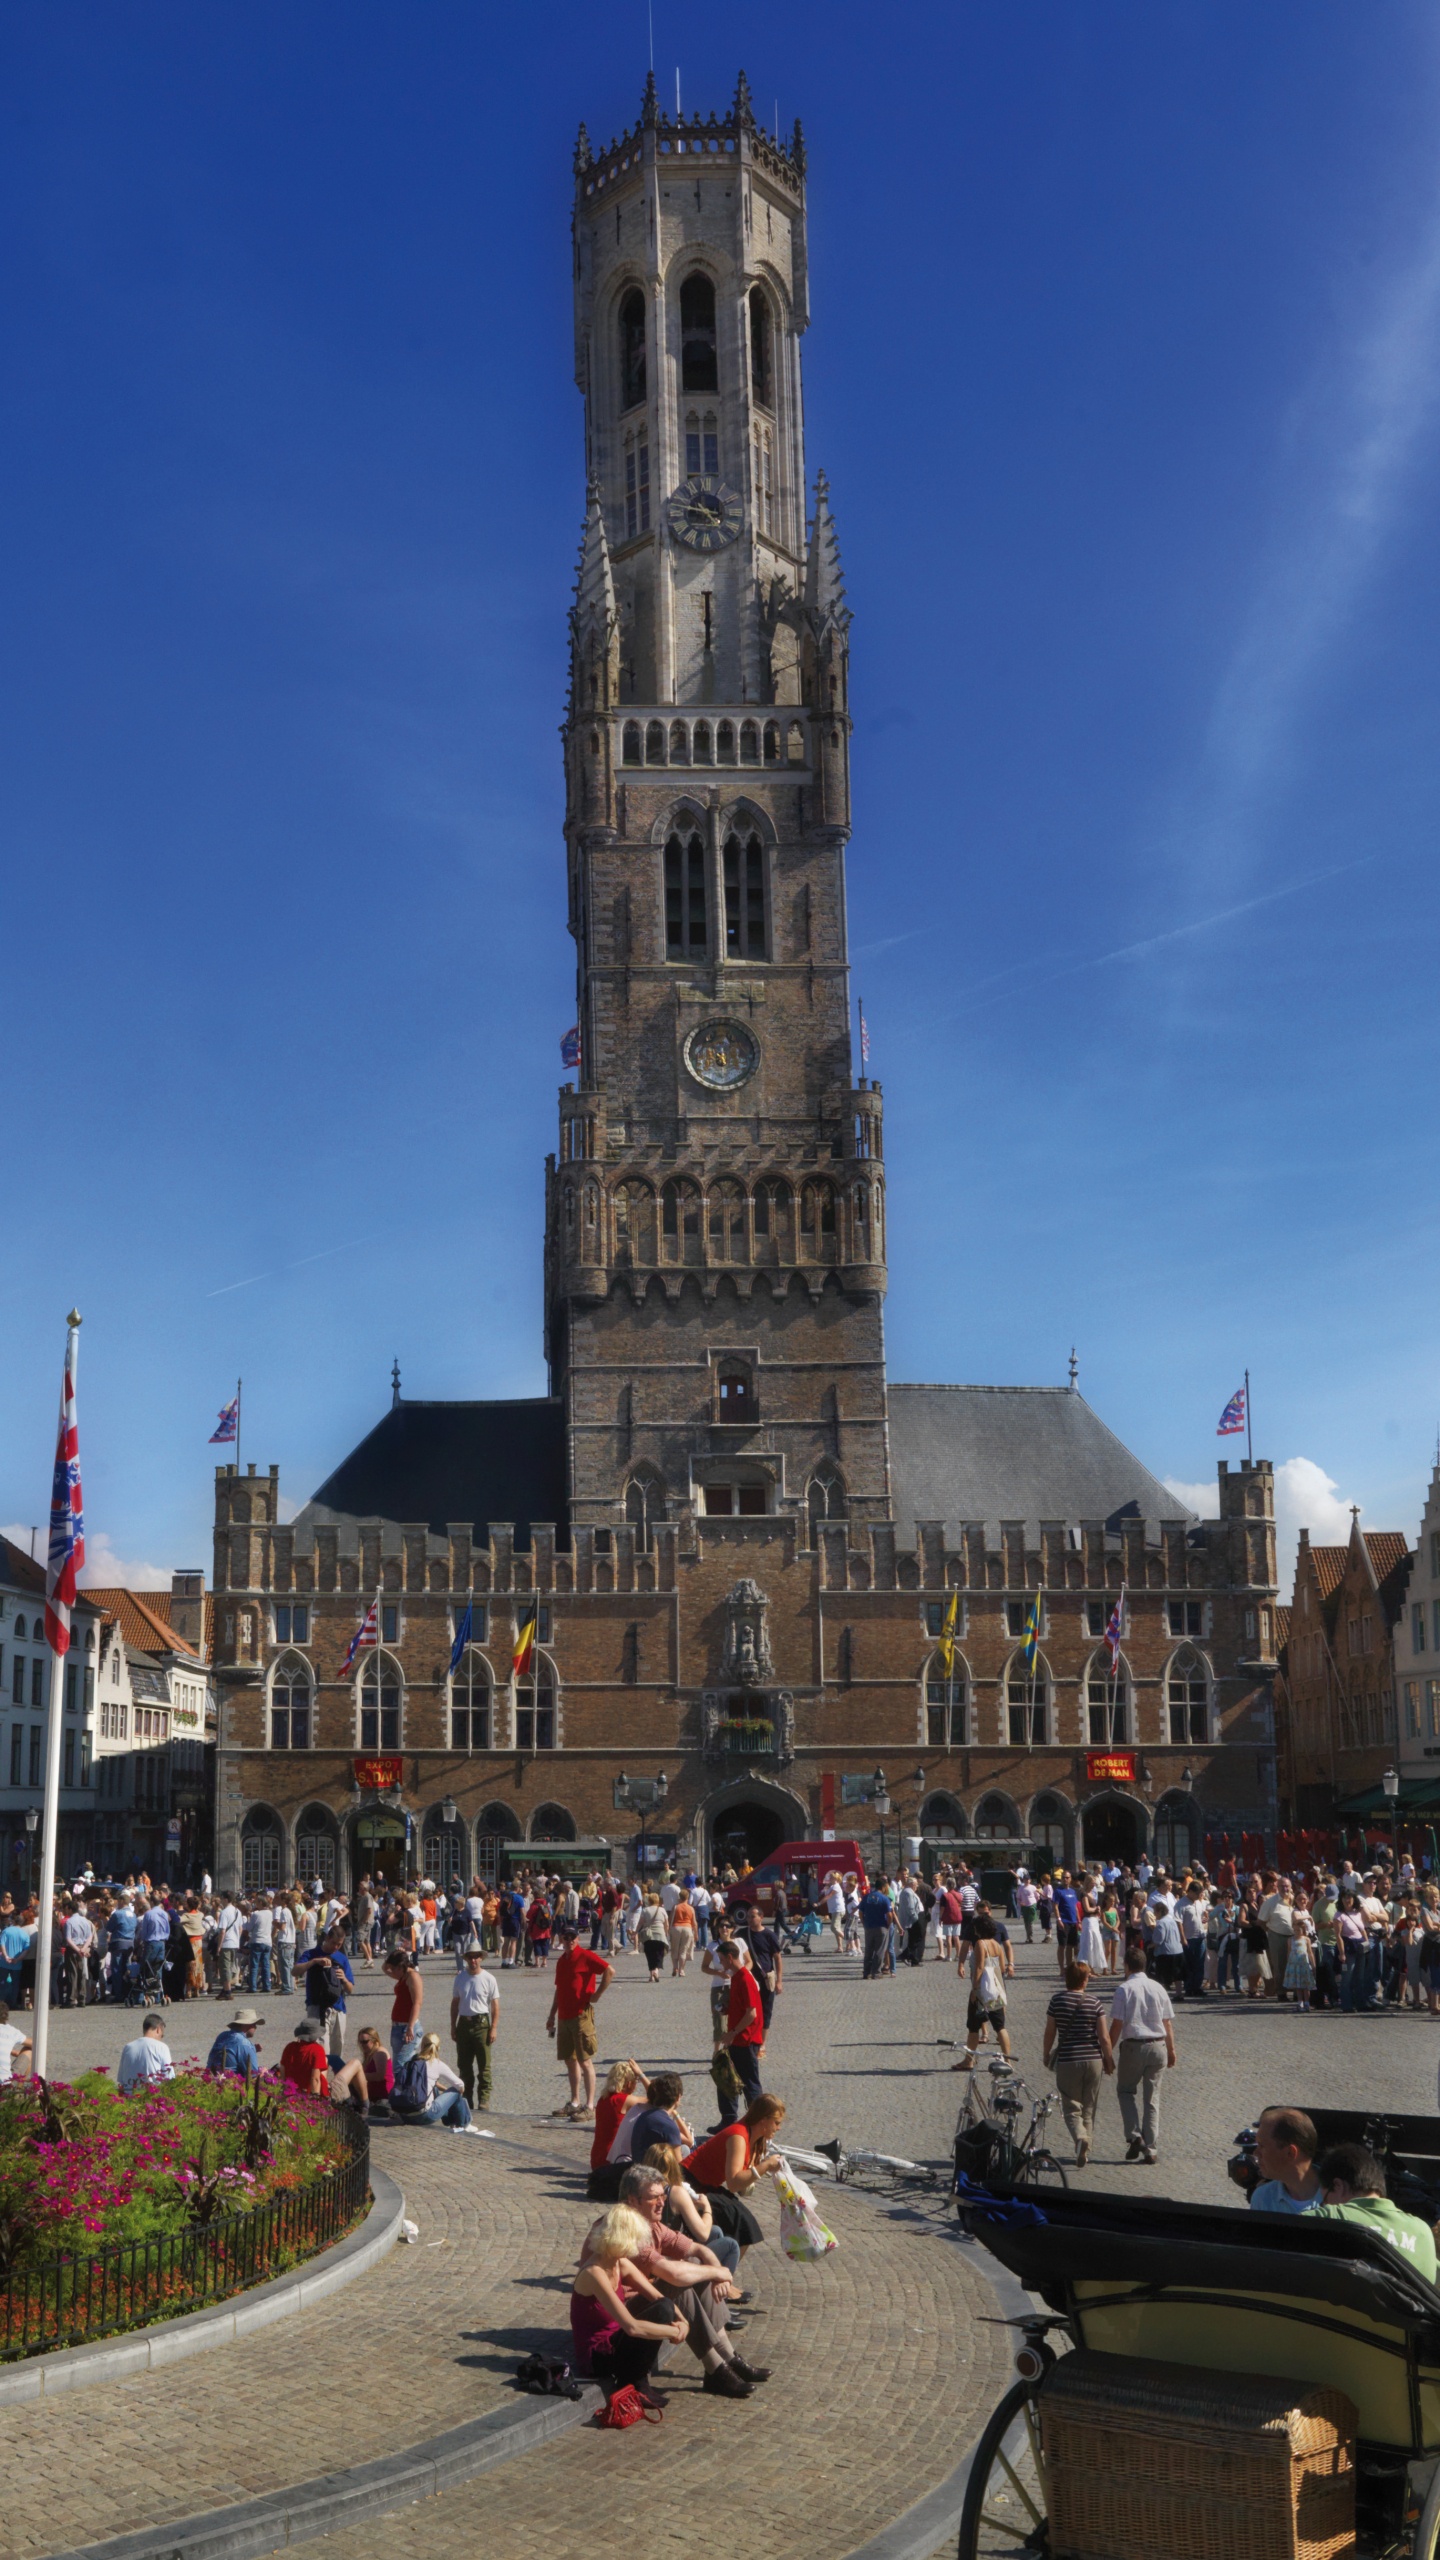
x,y
991,2149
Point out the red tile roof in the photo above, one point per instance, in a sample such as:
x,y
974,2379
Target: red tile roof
x,y
143,1621
1329,1564
1386,1548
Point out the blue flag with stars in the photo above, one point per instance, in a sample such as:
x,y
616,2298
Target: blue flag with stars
x,y
462,1638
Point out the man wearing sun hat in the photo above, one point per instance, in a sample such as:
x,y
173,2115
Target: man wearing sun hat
x,y
234,2049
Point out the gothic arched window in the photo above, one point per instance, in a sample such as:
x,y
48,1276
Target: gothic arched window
x,y
634,1223
946,1695
632,751
725,742
825,1498
380,1705
655,742
470,1702
632,349
685,920
1188,1698
996,1819
772,741
727,1222
745,935
679,743
1027,1700
702,753
817,1222
680,1222
772,1220
290,1705
1107,1703
762,387
749,742
699,369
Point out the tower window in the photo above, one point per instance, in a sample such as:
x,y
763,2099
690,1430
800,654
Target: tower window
x,y
702,445
631,751
736,1396
745,937
680,1222
685,898
727,1230
699,370
761,368
725,743
632,350
637,489
764,480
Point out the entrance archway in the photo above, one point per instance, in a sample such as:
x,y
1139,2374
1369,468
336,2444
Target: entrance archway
x,y
747,1820
378,1849
1113,1828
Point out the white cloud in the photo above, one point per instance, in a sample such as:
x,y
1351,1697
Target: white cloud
x,y
1305,1498
102,1564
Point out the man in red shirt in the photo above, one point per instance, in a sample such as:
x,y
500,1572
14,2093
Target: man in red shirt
x,y
744,2030
580,1978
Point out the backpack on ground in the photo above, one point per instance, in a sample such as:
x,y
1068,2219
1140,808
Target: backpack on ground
x,y
411,2093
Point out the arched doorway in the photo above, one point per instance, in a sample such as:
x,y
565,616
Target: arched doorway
x,y
1177,1831
261,1846
443,1851
378,1846
1114,1829
1049,1828
494,1831
745,1821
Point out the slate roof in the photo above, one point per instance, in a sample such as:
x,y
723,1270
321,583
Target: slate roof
x,y
1013,1453
476,1463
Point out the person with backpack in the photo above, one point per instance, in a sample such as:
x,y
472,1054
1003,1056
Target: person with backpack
x,y
427,2091
987,1961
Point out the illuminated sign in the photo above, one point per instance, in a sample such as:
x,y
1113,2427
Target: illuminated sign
x,y
377,1774
1118,1765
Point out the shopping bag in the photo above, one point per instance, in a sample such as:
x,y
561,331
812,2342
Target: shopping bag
x,y
803,2236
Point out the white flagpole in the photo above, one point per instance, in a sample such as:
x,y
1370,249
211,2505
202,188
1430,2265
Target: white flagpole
x,y
54,1724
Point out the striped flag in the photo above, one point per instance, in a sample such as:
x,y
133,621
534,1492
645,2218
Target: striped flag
x,y
570,1046
524,1653
1113,1631
1233,1417
1030,1643
368,1632
229,1422
67,1521
864,1037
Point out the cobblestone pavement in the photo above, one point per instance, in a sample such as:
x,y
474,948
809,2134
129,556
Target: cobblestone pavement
x,y
881,2370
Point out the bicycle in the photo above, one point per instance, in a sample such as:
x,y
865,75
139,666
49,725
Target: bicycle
x,y
878,2172
990,2149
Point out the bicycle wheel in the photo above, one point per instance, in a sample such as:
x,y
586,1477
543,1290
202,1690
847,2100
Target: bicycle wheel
x,y
1003,2516
1041,2169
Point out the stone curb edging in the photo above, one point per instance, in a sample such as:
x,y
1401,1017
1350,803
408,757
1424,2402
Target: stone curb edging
x,y
196,2332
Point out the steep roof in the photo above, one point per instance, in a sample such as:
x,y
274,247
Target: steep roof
x,y
1329,1564
144,1622
1390,1557
465,1462
18,1569
1013,1453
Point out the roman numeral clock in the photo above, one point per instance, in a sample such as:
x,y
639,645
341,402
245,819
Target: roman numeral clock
x,y
704,514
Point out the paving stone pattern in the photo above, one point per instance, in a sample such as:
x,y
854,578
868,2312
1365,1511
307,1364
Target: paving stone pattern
x,y
877,2349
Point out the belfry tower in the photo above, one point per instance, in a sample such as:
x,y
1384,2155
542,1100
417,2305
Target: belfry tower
x,y
715,1236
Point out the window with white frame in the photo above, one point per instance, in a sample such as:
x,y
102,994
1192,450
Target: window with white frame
x,y
535,1709
291,1726
292,1621
470,1703
702,444
380,1705
1107,1705
946,1703
1027,1698
1187,1692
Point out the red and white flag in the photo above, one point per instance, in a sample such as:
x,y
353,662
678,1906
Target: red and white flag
x,y
67,1521
368,1632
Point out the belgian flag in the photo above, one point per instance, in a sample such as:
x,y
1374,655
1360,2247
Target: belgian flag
x,y
522,1659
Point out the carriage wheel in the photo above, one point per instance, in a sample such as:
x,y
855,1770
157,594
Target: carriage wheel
x,y
1004,2510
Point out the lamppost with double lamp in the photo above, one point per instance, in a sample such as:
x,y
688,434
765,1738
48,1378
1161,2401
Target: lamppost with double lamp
x,y
1390,1781
641,1795
32,1825
880,1799
450,1815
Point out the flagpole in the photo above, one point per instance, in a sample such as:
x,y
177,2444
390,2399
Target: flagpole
x,y
40,2036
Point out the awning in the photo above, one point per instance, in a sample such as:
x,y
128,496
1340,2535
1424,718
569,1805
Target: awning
x,y
1417,1795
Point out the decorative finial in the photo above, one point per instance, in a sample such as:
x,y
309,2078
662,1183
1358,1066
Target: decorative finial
x,y
797,147
582,152
742,112
74,1317
395,1386
650,103
1074,1368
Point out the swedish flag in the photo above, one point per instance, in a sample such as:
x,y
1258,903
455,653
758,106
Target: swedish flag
x,y
1030,1641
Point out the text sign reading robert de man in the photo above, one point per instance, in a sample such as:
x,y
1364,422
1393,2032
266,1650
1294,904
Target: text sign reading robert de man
x,y
1110,1764
378,1774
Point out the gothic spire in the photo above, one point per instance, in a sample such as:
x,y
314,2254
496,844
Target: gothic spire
x,y
824,577
650,103
742,113
594,587
582,152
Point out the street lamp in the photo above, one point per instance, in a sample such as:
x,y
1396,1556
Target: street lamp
x,y
32,1825
1390,1781
641,1795
880,1798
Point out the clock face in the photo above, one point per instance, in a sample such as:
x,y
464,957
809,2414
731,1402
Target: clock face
x,y
704,514
722,1055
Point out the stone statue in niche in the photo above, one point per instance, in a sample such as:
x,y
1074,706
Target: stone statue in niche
x,y
745,1659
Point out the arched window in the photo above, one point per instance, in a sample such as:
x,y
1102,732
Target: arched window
x,y
860,1209
644,1507
996,1819
725,742
727,1223
825,1498
632,752
942,1817
535,1707
703,753
735,1394
380,1697
552,1822
817,1222
496,1828
316,1847
947,1697
442,1851
772,741
699,369
702,444
637,485
1027,1700
655,742
679,743
634,1223
749,742
772,1221
290,1726
794,744
745,934
685,919
680,1222
261,1840
19,1630
470,1702
632,349
762,387
1176,1828
1107,1704
1049,1830
1188,1697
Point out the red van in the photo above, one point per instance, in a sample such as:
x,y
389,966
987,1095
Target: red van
x,y
802,1866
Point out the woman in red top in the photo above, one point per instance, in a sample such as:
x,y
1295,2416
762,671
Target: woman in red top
x,y
626,2087
729,2165
406,2006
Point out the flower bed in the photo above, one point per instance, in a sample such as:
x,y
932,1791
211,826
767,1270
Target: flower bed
x,y
116,2211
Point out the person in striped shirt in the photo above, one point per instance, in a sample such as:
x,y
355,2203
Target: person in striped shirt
x,y
1076,2042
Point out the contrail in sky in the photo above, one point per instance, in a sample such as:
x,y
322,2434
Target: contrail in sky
x,y
305,1259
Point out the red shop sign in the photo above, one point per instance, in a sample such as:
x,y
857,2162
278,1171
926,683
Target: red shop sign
x,y
378,1774
1117,1765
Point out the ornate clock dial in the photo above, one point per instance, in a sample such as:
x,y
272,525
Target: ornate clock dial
x,y
704,514
722,1055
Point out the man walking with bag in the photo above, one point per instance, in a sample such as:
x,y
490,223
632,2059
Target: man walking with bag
x,y
1142,2047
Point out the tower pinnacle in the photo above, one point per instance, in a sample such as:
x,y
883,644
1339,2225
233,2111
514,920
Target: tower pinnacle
x,y
824,577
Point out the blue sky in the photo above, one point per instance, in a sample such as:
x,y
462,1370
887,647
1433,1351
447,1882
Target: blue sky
x,y
1123,365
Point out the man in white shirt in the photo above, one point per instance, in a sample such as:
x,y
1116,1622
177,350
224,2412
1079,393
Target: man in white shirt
x,y
13,2044
669,1894
701,1899
79,1939
1142,2043
229,1948
474,2018
146,2058
260,1938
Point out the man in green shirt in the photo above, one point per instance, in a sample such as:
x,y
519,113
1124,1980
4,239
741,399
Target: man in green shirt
x,y
1354,2187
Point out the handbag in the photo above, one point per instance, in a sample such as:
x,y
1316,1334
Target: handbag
x,y
728,2083
625,2408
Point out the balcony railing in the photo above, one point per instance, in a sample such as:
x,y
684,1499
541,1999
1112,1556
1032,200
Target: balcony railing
x,y
771,739
754,1736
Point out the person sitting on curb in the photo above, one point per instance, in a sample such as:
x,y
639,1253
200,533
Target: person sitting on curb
x,y
626,2089
700,2287
610,2340
146,2058
444,2101
235,2047
304,2064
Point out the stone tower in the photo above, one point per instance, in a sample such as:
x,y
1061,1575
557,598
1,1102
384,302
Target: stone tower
x,y
715,1227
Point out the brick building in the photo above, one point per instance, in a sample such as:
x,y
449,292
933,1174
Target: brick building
x,y
1336,1700
740,1536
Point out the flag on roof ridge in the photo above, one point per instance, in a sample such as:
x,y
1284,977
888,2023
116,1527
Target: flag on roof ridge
x,y
1233,1417
229,1422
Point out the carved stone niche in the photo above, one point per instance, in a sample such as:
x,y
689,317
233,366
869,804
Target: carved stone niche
x,y
745,1659
720,1739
